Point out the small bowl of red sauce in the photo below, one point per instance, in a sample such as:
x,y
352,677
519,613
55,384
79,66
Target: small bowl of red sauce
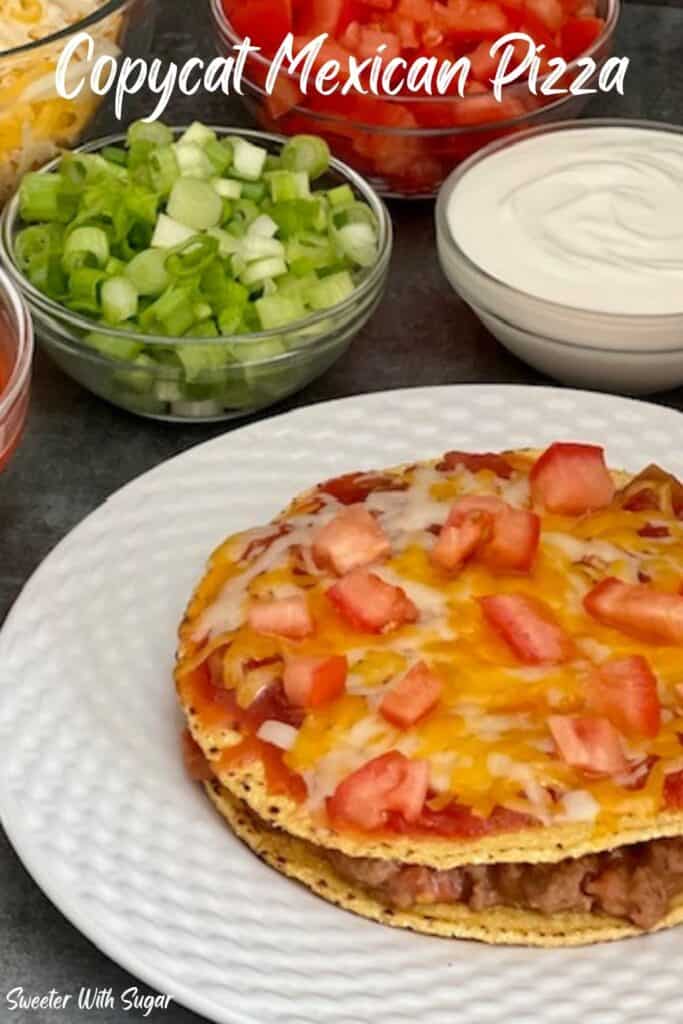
x,y
16,354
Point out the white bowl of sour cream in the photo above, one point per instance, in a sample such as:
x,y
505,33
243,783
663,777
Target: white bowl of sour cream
x,y
567,241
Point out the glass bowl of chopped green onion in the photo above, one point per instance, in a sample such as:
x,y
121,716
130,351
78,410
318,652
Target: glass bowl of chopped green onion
x,y
197,273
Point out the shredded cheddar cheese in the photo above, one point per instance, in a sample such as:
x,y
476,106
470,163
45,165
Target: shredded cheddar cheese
x,y
487,742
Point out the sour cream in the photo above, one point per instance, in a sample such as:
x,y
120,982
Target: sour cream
x,y
590,218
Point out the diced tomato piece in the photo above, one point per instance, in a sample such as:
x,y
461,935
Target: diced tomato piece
x,y
549,12
475,20
421,11
353,488
455,544
388,784
592,744
572,479
625,691
412,697
288,617
673,790
514,535
312,682
196,764
483,65
313,17
352,539
578,35
637,609
497,464
371,39
266,22
528,627
369,604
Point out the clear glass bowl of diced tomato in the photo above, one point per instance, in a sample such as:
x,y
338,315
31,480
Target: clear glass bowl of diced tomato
x,y
16,354
406,145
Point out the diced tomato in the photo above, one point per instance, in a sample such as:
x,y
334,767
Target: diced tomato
x,y
474,20
514,532
528,628
571,479
371,39
196,764
313,17
266,22
353,488
369,604
388,784
352,539
483,65
673,790
455,544
625,691
549,12
288,617
312,682
592,744
637,609
412,697
578,35
497,464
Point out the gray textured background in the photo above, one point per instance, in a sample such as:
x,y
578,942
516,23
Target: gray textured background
x,y
77,449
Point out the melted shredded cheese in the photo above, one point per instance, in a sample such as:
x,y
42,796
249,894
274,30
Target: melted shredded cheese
x,y
487,742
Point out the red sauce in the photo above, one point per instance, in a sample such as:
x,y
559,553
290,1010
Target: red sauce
x,y
355,487
650,530
475,462
216,707
196,764
458,822
280,779
673,790
645,500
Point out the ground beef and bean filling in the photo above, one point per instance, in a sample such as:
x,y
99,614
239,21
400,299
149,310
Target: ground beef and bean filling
x,y
636,883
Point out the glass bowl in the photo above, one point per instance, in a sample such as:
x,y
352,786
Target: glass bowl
x,y
612,351
16,354
35,122
406,147
267,366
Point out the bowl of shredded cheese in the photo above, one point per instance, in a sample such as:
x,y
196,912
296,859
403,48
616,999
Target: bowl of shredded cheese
x,y
35,121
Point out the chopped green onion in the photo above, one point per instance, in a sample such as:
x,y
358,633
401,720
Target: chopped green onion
x,y
42,199
86,246
247,159
279,310
169,233
195,204
149,131
359,242
220,155
193,161
115,155
262,269
227,188
306,153
116,348
330,290
192,257
342,195
164,170
198,133
264,227
287,185
119,300
147,271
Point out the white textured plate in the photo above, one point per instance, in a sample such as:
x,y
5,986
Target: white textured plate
x,y
93,793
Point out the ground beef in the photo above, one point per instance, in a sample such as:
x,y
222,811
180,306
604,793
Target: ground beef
x,y
635,883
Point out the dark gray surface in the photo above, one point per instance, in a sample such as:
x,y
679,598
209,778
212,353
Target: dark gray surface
x,y
77,449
